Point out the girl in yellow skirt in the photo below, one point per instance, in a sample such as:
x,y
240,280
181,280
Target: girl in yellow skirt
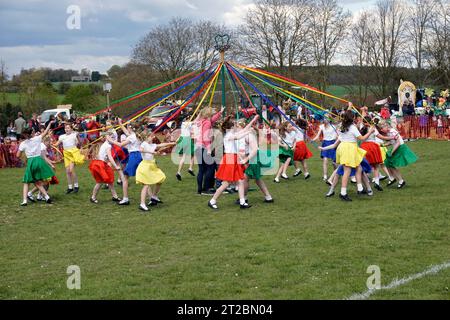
x,y
148,173
349,154
72,156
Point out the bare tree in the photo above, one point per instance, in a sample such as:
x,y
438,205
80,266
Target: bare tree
x,y
276,34
329,23
437,44
3,78
387,44
358,51
420,13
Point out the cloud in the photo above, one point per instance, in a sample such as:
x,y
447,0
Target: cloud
x,y
34,32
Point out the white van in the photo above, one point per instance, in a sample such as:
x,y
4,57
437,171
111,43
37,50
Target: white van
x,y
64,109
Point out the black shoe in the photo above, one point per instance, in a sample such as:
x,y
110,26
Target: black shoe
x,y
69,191
76,189
345,198
212,206
307,176
391,182
143,209
31,198
401,185
191,173
285,177
297,173
116,199
328,183
245,206
383,178
93,200
238,201
23,204
124,203
328,195
119,183
269,201
156,200
49,201
378,187
105,187
362,192
178,177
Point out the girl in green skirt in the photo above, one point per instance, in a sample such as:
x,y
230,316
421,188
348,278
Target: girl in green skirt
x,y
185,147
287,143
399,156
37,169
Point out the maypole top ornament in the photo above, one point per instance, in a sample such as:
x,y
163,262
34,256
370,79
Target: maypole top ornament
x,y
222,42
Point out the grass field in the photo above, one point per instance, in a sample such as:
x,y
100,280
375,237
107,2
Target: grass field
x,y
301,247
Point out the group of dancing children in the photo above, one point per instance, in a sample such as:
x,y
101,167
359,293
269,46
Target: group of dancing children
x,y
354,146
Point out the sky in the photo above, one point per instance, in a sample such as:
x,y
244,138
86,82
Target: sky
x,y
34,33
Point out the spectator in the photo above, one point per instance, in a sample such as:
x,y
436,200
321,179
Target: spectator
x,y
34,123
19,124
11,131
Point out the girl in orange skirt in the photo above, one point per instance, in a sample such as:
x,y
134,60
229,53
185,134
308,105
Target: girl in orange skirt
x,y
374,155
102,172
301,151
231,169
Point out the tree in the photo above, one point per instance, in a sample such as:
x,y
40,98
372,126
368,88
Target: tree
x,y
420,12
329,23
437,45
358,51
276,34
81,98
3,79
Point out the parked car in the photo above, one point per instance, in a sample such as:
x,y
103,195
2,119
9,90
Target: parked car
x,y
158,114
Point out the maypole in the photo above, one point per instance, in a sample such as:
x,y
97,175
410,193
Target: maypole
x,y
222,45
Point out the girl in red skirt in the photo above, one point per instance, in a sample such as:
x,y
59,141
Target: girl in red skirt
x,y
301,151
102,172
231,169
373,154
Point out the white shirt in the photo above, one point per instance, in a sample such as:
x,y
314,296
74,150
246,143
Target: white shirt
x,y
114,133
329,133
43,148
230,145
103,151
31,147
186,128
123,137
350,135
289,138
394,133
147,147
373,136
299,136
134,143
69,141
299,111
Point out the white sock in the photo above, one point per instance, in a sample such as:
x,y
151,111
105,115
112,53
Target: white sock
x,y
359,186
377,180
212,201
75,185
242,201
125,199
369,189
47,197
344,191
325,177
70,186
306,173
156,198
391,178
401,181
143,205
269,197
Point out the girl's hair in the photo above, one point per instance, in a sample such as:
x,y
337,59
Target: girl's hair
x,y
347,120
363,130
227,123
27,132
303,124
283,128
205,113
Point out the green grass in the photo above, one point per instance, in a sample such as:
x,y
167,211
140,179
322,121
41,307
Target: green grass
x,y
301,247
17,99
